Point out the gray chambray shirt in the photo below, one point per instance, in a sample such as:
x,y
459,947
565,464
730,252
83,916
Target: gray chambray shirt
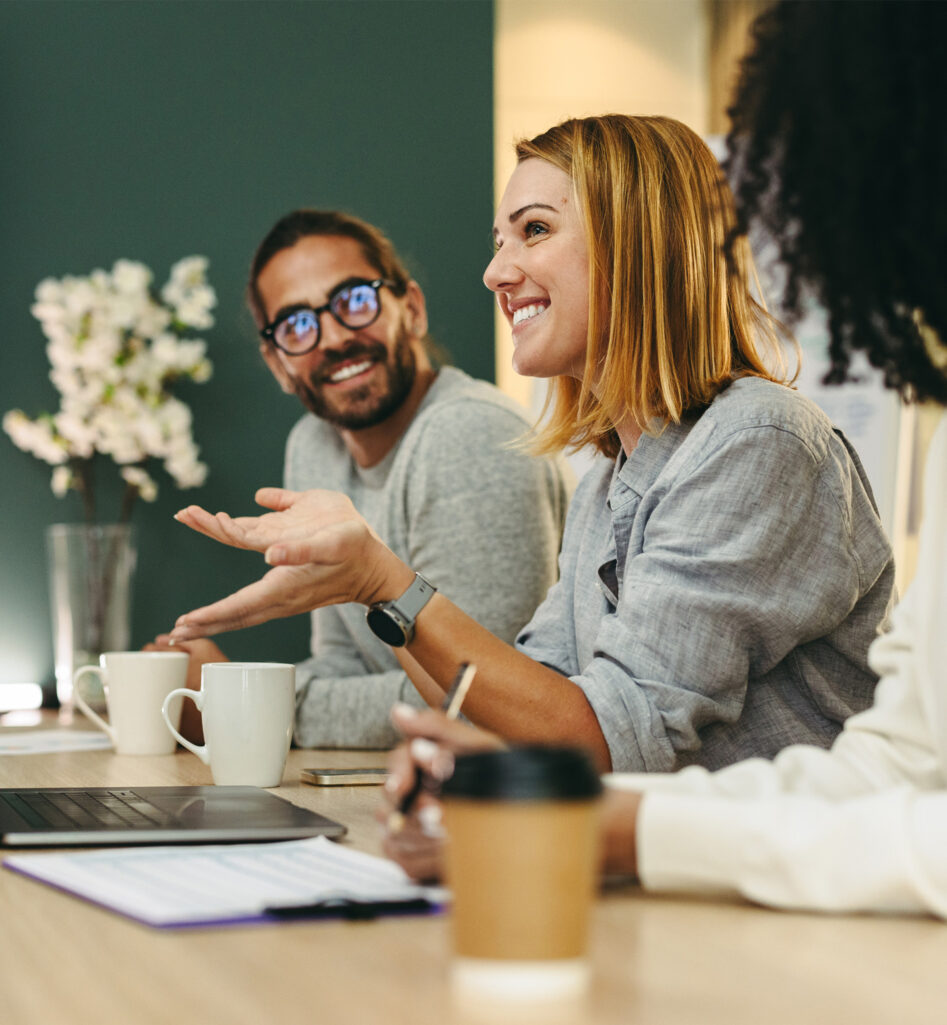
x,y
719,588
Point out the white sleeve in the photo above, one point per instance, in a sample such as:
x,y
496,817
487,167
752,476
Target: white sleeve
x,y
879,852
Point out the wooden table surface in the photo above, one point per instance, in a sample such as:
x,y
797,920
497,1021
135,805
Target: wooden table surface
x,y
664,960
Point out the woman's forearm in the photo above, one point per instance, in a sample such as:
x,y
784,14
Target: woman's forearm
x,y
513,696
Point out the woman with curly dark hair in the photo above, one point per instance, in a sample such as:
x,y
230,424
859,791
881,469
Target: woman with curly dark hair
x,y
838,149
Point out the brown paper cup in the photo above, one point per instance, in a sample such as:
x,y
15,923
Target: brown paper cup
x,y
522,854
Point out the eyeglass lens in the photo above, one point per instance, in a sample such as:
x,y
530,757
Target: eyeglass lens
x,y
353,307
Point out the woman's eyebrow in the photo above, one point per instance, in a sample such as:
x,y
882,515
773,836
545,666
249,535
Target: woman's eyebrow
x,y
515,216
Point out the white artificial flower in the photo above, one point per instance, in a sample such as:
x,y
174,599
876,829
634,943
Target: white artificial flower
x,y
62,480
35,436
152,319
194,308
190,355
49,290
77,433
175,417
201,371
131,276
189,294
164,351
140,479
115,349
189,272
79,295
184,466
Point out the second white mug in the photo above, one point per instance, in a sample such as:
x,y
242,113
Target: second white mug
x,y
247,709
135,684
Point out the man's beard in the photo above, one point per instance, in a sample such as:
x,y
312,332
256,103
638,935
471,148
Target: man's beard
x,y
363,407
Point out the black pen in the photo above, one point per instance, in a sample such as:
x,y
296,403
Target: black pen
x,y
451,706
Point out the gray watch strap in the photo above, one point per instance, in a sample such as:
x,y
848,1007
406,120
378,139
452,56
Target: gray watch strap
x,y
414,599
393,621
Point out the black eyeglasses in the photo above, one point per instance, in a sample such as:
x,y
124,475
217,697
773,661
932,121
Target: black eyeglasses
x,y
353,305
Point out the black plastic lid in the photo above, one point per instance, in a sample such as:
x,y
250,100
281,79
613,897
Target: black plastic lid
x,y
524,774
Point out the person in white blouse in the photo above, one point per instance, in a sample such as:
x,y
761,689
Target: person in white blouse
x,y
842,157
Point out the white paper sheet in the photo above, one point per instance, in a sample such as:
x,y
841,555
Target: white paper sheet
x,y
224,884
38,742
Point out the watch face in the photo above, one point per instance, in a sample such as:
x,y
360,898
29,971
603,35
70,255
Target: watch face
x,y
384,625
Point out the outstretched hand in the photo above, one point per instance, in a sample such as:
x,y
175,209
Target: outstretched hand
x,y
323,553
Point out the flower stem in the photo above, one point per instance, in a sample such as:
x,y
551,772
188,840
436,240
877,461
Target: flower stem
x,y
82,472
128,503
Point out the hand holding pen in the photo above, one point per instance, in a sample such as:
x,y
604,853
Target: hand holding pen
x,y
438,769
415,839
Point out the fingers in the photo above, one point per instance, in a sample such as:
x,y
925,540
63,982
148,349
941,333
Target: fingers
x,y
257,603
198,519
163,642
276,498
407,760
218,526
619,849
451,734
418,845
401,775
238,533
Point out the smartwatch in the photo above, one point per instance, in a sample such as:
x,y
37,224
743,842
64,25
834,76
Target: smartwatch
x,y
393,621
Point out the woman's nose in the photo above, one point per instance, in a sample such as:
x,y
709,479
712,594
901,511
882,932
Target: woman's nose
x,y
501,271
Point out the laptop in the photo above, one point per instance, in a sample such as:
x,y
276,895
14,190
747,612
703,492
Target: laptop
x,y
101,816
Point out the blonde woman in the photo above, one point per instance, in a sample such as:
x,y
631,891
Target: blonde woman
x,y
723,568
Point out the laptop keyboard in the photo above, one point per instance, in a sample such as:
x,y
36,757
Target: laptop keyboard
x,y
54,809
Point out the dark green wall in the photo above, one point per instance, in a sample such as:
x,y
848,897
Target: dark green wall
x,y
156,130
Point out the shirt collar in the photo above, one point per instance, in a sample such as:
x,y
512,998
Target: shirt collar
x,y
634,474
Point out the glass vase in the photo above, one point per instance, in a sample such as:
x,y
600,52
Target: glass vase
x,y
91,570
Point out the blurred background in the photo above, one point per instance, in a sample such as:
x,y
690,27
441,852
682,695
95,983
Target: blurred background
x,y
154,130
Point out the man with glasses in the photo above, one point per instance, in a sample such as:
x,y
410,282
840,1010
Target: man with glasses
x,y
422,452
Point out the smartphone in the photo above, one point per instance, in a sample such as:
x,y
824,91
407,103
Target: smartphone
x,y
343,777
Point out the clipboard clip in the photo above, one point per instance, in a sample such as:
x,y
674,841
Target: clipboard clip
x,y
351,909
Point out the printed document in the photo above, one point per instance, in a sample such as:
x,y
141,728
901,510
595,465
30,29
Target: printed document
x,y
230,883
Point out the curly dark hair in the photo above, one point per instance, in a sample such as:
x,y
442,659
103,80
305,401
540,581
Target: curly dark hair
x,y
837,149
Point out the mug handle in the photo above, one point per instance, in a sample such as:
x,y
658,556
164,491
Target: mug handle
x,y
197,696
81,702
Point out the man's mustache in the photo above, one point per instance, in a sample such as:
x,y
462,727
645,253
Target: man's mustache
x,y
333,358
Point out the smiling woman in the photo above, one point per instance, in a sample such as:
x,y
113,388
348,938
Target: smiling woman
x,y
723,568
541,271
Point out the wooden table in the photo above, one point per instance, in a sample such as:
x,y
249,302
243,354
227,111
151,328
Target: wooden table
x,y
656,961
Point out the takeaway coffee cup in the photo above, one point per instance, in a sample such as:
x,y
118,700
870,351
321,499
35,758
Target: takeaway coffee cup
x,y
247,710
522,857
135,685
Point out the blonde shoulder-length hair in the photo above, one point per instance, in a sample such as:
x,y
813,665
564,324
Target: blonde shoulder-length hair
x,y
671,320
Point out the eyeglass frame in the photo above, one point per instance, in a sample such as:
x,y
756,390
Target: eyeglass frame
x,y
268,333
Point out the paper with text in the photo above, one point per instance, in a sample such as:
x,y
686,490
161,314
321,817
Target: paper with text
x,y
221,884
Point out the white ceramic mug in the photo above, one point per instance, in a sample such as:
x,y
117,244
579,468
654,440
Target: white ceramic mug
x,y
247,709
135,685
